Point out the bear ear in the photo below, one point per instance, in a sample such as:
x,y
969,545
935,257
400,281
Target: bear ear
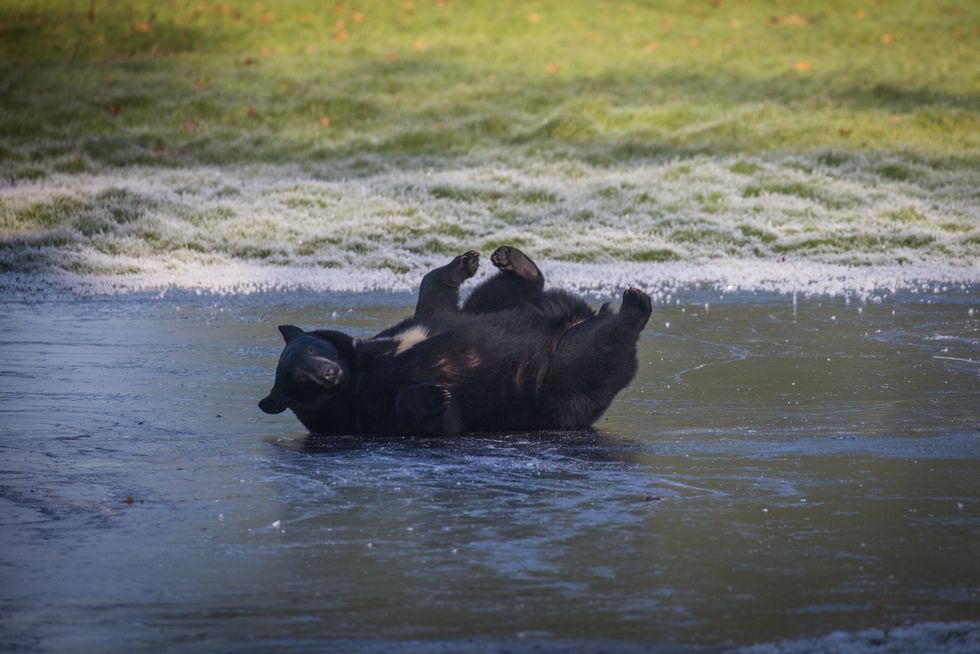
x,y
289,332
273,402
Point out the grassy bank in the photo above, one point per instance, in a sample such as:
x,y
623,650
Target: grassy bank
x,y
842,132
88,83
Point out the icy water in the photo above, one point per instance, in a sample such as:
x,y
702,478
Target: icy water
x,y
774,472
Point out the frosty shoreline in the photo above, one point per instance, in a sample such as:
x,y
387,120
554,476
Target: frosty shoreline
x,y
661,280
779,223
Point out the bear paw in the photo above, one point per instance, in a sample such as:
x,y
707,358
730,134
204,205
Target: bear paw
x,y
424,401
434,400
464,266
514,261
636,308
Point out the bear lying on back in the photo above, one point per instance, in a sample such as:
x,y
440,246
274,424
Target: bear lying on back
x,y
515,357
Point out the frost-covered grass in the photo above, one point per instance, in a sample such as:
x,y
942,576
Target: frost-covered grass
x,y
787,220
161,138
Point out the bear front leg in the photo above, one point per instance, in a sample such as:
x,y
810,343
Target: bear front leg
x,y
427,408
440,287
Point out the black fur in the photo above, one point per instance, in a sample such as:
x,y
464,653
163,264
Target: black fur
x,y
515,358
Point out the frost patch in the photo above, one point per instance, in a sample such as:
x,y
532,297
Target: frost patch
x,y
789,223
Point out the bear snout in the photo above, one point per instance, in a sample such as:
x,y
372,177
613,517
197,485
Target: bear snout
x,y
322,372
329,374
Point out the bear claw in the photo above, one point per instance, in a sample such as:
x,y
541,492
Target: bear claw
x,y
465,266
436,399
636,308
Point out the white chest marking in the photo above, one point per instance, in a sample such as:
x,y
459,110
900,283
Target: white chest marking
x,y
410,338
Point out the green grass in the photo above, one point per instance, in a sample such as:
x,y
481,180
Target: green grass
x,y
179,83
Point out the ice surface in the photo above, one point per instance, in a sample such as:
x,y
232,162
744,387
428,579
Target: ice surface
x,y
931,637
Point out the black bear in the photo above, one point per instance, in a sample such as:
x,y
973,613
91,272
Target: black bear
x,y
515,357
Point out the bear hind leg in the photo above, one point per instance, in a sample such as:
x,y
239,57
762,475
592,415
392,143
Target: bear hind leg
x,y
511,260
519,281
439,290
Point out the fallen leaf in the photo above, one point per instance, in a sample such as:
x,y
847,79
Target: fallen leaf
x,y
887,38
552,68
143,27
533,18
736,24
845,131
190,125
794,19
392,56
248,61
265,52
311,48
861,14
340,25
651,46
419,44
694,42
804,66
252,113
115,109
324,121
894,120
198,85
408,4
267,18
227,10
357,17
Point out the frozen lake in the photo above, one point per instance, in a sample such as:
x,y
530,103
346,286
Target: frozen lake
x,y
774,472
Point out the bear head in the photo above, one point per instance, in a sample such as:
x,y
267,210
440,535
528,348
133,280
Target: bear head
x,y
314,368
